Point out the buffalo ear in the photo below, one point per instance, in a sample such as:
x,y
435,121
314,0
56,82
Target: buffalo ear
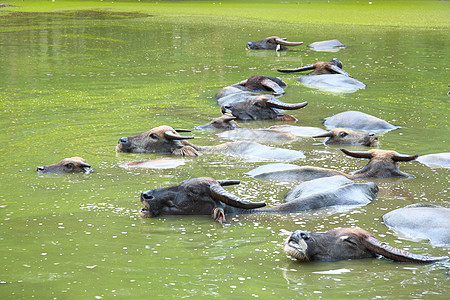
x,y
358,154
228,182
218,193
378,247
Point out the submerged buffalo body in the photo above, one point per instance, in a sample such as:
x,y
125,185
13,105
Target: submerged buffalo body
x,y
302,131
206,196
358,121
262,108
67,165
335,83
327,46
272,43
421,221
382,164
441,160
261,135
342,136
159,163
166,140
344,244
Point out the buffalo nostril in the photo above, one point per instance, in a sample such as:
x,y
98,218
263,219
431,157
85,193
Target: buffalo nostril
x,y
40,169
147,196
123,140
372,134
304,236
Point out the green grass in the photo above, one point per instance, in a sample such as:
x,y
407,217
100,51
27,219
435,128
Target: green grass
x,y
413,13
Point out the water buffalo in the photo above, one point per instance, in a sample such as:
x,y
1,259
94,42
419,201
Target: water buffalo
x,y
272,43
253,84
333,66
328,46
421,221
441,160
344,244
335,83
382,164
224,122
342,136
357,120
159,163
166,140
262,108
206,196
67,165
260,135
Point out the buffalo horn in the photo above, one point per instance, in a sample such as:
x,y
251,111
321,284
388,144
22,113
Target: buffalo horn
x,y
170,135
217,192
404,157
357,154
339,70
287,43
84,165
326,134
288,106
304,68
181,130
229,118
228,182
396,254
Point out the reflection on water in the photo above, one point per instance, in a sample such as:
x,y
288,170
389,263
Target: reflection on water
x,y
74,84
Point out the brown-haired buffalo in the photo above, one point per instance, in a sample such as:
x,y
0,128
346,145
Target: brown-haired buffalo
x,y
67,165
333,66
224,122
261,108
272,43
382,164
206,196
342,136
347,243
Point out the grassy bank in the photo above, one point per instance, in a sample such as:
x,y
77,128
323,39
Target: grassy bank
x,y
420,13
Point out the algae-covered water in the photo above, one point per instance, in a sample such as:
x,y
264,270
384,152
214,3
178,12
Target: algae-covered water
x,y
73,83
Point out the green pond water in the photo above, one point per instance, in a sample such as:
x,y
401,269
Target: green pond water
x,y
72,84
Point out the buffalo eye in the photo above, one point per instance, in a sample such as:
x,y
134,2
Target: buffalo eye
x,y
153,136
343,134
350,241
69,166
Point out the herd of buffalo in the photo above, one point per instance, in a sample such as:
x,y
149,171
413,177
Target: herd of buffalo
x,y
256,98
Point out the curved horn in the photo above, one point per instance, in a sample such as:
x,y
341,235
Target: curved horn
x,y
273,102
228,182
378,247
219,193
287,43
272,85
229,118
170,135
181,130
404,157
357,154
304,68
338,70
85,164
326,134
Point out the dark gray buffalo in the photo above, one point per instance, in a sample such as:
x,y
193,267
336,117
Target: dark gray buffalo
x,y
255,83
382,164
342,136
166,140
206,197
67,165
421,221
347,243
327,46
262,108
272,43
357,120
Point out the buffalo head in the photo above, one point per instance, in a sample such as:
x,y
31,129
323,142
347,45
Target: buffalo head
x,y
223,122
382,164
333,66
162,139
342,136
261,108
346,243
67,165
272,43
197,196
